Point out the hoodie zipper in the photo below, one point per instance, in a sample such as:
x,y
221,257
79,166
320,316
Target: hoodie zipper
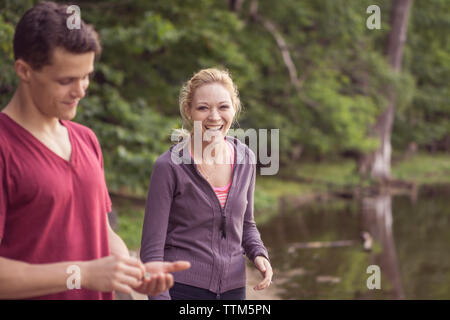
x,y
220,286
222,210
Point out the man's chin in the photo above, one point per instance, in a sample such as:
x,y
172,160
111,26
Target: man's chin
x,y
68,116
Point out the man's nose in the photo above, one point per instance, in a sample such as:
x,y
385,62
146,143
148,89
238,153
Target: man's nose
x,y
80,89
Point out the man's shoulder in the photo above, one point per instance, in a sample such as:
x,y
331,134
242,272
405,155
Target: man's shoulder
x,y
85,135
4,125
82,131
5,136
3,141
78,127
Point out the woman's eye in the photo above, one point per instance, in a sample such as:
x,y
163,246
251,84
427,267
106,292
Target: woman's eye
x,y
202,108
224,107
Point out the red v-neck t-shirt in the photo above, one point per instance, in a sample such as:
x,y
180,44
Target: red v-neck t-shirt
x,y
51,209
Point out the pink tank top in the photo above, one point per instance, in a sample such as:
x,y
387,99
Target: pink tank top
x,y
222,192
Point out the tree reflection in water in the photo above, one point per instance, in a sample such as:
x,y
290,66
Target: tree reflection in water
x,y
317,251
376,219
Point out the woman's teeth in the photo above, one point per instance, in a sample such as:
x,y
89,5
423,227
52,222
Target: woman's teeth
x,y
214,128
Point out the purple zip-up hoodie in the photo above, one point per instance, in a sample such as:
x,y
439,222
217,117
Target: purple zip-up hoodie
x,y
185,221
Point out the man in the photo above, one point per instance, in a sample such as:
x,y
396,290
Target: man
x,y
54,231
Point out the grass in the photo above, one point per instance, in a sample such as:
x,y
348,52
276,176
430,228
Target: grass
x,y
277,187
424,169
131,219
338,173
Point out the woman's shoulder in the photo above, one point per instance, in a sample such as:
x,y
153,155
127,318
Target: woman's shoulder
x,y
175,155
164,159
163,166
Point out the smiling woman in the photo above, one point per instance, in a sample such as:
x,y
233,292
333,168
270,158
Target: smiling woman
x,y
227,91
201,209
212,106
203,77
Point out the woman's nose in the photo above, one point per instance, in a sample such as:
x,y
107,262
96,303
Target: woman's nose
x,y
214,114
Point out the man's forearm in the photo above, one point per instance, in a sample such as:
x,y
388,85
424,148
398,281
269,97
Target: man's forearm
x,y
20,280
116,245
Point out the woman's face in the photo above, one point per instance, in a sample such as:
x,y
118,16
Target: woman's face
x,y
213,108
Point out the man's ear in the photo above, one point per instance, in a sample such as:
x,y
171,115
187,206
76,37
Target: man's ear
x,y
23,70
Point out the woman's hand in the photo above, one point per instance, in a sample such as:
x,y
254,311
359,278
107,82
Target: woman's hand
x,y
265,268
110,273
158,277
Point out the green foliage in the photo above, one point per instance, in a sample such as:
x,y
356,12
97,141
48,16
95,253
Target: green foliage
x,y
131,219
152,47
426,120
8,79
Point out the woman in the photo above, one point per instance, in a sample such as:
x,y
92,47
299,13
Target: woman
x,y
200,200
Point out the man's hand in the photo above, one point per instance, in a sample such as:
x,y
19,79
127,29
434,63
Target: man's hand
x,y
265,268
112,273
157,277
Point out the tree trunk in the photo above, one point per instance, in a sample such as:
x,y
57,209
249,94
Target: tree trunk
x,y
235,5
378,163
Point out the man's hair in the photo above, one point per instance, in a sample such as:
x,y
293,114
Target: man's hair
x,y
44,28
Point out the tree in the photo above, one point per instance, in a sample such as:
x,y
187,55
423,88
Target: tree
x,y
310,68
426,121
378,163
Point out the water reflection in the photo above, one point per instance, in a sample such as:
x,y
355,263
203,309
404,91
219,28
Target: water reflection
x,y
318,250
376,223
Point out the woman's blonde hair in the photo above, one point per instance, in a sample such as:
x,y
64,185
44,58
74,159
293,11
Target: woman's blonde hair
x,y
203,77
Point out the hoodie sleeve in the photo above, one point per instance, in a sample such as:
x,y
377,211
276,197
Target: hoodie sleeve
x,y
251,239
159,201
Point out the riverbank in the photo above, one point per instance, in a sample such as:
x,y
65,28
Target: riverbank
x,y
308,182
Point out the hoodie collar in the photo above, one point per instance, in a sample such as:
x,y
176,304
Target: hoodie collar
x,y
180,152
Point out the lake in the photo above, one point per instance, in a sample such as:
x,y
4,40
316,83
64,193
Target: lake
x,y
334,249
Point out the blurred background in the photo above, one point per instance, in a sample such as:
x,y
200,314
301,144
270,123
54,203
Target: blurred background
x,y
363,115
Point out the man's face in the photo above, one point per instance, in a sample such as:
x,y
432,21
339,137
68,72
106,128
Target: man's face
x,y
57,88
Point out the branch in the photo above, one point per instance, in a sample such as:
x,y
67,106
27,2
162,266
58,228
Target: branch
x,y
269,25
282,45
